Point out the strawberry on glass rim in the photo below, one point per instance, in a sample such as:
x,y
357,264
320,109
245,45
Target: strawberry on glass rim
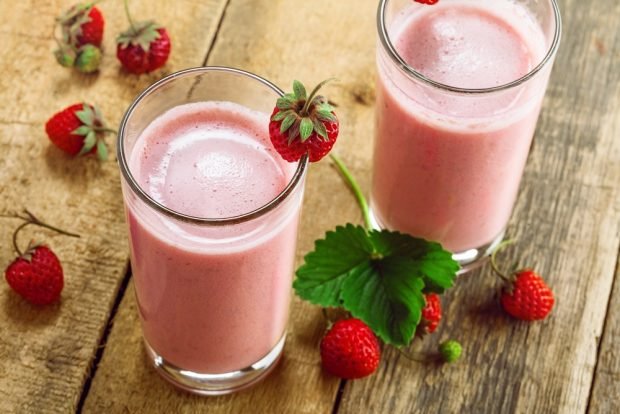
x,y
302,123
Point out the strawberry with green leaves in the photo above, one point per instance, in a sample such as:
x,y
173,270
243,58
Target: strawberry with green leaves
x,y
303,124
144,47
386,280
79,129
81,28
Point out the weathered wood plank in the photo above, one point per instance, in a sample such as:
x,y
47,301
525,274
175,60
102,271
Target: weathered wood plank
x,y
281,40
605,396
567,218
45,353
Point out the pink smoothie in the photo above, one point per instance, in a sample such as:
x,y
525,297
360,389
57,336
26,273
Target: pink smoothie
x,y
446,166
211,299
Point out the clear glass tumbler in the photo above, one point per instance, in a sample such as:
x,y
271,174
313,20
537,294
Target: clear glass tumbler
x,y
455,117
212,272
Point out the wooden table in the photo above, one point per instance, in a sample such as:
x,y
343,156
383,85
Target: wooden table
x,y
85,353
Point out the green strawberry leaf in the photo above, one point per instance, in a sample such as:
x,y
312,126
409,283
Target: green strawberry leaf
x,y
89,143
299,90
102,150
320,278
305,128
281,115
320,129
86,115
288,121
83,130
378,276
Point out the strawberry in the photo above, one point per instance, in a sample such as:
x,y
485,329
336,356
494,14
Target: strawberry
x,y
36,275
78,129
82,32
302,124
429,2
350,349
82,24
144,47
528,298
431,314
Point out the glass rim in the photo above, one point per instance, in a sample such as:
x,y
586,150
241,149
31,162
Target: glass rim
x,y
410,71
135,187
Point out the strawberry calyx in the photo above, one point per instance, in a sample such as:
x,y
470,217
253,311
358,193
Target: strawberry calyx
x,y
302,115
93,129
71,22
140,34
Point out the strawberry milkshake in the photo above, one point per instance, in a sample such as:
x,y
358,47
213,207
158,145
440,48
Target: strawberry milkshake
x,y
459,90
212,212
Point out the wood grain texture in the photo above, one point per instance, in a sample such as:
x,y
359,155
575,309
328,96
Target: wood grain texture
x,y
45,353
567,219
263,37
605,396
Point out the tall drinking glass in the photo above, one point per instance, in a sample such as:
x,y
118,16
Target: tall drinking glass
x,y
212,212
459,89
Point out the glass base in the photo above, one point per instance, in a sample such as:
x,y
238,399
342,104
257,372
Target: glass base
x,y
469,259
216,384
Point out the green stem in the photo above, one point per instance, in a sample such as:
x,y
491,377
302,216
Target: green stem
x,y
501,246
355,188
418,357
304,110
104,129
133,26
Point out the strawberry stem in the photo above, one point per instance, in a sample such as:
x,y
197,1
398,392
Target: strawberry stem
x,y
38,222
104,129
419,357
501,246
131,24
355,188
304,110
30,218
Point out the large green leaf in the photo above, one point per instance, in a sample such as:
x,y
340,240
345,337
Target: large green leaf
x,y
378,276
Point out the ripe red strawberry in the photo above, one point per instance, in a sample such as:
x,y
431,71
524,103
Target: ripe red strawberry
x,y
78,129
431,314
528,298
144,47
350,349
303,124
429,2
82,24
36,276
